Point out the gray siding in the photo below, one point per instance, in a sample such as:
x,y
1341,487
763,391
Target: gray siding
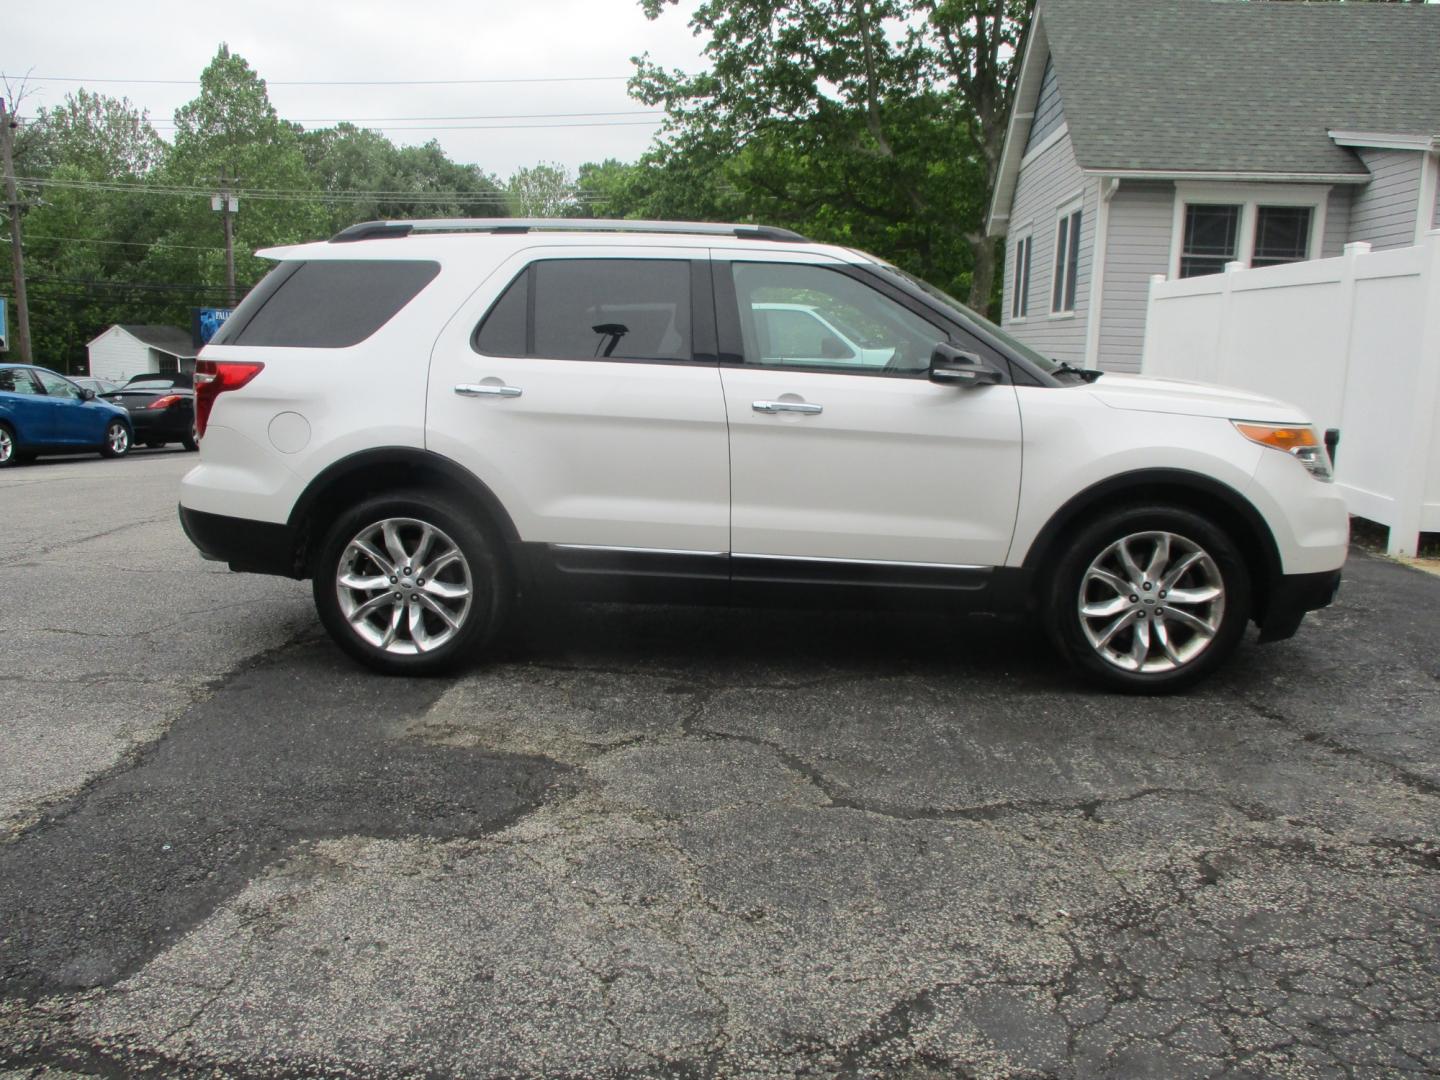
x,y
1383,211
1435,218
1049,112
1046,183
1337,222
1142,217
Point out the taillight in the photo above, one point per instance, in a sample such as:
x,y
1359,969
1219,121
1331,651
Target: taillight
x,y
213,378
164,402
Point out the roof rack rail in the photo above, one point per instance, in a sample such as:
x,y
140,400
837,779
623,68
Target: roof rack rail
x,y
377,230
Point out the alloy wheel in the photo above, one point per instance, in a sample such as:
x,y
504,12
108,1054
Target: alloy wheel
x,y
118,438
7,446
404,586
1151,602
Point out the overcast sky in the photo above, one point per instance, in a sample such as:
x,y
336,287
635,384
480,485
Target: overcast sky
x,y
300,40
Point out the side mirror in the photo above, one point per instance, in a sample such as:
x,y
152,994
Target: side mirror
x,y
86,394
954,367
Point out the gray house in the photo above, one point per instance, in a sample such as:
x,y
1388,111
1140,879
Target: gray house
x,y
1175,136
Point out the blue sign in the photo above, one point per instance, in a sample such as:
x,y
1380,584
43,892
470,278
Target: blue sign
x,y
4,335
205,321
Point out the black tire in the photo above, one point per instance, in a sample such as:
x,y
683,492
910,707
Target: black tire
x,y
1169,654
9,448
481,569
191,442
117,440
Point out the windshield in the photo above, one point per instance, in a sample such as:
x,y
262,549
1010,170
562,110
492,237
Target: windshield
x,y
1044,363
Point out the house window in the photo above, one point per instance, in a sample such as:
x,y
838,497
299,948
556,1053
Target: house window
x,y
1212,235
1020,284
1067,263
1254,225
1282,235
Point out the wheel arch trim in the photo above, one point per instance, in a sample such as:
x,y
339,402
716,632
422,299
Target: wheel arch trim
x,y
425,464
1157,484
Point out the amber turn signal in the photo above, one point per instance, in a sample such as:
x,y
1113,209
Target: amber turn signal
x,y
1300,442
1282,438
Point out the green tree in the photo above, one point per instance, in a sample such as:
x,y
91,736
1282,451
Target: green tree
x,y
367,178
81,228
232,126
544,190
877,122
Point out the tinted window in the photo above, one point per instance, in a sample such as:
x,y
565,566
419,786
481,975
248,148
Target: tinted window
x,y
325,304
503,332
572,309
17,381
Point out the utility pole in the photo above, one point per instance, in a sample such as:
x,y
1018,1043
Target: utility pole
x,y
17,251
227,205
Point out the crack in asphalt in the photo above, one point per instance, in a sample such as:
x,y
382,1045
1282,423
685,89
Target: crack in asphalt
x,y
1410,779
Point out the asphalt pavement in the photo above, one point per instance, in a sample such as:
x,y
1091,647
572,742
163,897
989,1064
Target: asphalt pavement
x,y
689,843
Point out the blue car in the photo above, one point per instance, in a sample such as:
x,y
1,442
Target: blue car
x,y
45,413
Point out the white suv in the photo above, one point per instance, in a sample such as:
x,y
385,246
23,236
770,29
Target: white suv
x,y
436,419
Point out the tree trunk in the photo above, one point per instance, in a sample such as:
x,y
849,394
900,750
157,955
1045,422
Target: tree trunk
x,y
982,249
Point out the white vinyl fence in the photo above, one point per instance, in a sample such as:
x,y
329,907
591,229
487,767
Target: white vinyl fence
x,y
1355,341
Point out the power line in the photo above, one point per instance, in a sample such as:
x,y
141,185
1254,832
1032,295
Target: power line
x,y
157,286
116,243
170,124
342,82
437,198
481,116
407,119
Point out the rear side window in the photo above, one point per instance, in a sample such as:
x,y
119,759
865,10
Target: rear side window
x,y
583,309
17,381
325,304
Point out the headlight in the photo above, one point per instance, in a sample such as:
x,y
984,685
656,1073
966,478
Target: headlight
x,y
1299,442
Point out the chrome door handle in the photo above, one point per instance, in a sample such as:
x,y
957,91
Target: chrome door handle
x,y
786,406
481,390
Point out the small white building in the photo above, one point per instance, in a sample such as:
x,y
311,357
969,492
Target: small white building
x,y
129,349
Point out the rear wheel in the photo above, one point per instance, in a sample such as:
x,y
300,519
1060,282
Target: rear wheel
x,y
410,585
8,454
117,440
1149,599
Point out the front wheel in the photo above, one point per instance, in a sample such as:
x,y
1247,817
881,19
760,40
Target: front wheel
x,y
410,585
117,440
8,454
191,442
1149,599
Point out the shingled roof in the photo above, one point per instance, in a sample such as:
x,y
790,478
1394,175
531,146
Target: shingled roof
x,y
168,339
1227,87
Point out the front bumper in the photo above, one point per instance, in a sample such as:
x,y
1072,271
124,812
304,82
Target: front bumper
x,y
1292,596
252,547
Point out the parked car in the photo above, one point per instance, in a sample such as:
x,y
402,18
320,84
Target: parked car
x,y
89,382
600,417
42,412
161,408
